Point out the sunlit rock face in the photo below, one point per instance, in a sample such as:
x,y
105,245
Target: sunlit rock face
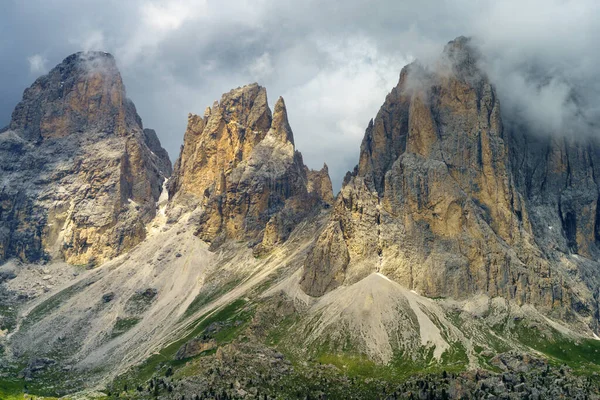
x,y
80,175
239,165
449,202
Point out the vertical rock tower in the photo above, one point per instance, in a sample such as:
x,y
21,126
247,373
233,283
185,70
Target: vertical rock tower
x,y
238,164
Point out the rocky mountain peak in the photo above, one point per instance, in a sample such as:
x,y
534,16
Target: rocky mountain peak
x,y
409,118
460,56
448,203
433,155
246,105
239,164
460,49
281,126
85,92
215,144
81,174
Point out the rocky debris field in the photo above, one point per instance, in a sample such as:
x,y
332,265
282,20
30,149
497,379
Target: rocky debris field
x,y
253,371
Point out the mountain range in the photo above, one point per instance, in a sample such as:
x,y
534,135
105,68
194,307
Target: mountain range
x,y
458,260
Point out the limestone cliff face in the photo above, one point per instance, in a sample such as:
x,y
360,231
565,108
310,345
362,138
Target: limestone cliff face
x,y
239,165
449,203
80,175
559,177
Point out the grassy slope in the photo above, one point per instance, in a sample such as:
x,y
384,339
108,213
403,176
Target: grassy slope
x,y
238,310
582,355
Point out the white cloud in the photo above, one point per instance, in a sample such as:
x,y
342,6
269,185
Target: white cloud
x,y
156,21
331,109
37,64
89,40
261,67
94,41
168,15
543,60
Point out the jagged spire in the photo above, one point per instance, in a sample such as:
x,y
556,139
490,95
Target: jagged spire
x,y
281,126
256,162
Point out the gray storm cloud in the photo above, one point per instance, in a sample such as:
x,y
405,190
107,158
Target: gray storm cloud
x,y
333,61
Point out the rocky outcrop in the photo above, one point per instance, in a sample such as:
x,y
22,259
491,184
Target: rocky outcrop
x,y
319,183
239,165
194,347
450,203
80,175
328,261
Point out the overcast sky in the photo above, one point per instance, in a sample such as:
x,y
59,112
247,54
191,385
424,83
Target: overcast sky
x,y
332,61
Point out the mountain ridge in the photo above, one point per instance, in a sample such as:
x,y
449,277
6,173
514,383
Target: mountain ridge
x,y
243,274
